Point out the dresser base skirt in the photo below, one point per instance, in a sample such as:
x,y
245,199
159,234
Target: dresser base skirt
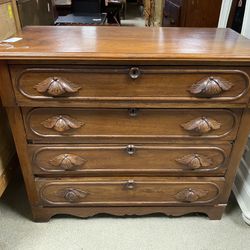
x,y
44,214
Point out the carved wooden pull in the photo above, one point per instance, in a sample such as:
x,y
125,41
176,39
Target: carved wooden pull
x,y
61,123
210,87
74,195
56,86
67,162
190,195
195,161
201,125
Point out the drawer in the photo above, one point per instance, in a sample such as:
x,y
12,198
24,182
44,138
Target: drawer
x,y
85,125
77,86
137,159
129,191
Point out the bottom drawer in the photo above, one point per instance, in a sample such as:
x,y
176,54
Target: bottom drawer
x,y
129,191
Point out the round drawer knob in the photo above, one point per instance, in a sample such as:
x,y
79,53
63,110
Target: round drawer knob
x,y
133,112
130,149
134,73
130,184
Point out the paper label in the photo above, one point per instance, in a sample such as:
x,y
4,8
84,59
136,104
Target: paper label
x,y
12,40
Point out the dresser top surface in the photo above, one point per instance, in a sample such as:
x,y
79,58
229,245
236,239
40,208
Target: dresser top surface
x,y
123,43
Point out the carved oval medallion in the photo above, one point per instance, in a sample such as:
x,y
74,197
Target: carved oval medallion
x,y
67,162
195,161
201,125
210,87
56,86
190,195
62,123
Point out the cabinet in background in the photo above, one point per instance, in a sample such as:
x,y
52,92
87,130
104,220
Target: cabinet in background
x,y
191,13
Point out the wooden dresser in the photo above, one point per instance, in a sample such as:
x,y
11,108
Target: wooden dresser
x,y
127,121
191,13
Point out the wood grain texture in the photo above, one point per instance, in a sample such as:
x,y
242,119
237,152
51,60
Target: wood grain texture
x,y
171,84
44,214
93,43
188,13
115,192
133,122
103,125
114,159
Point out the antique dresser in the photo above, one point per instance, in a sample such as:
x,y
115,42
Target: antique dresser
x,y
127,121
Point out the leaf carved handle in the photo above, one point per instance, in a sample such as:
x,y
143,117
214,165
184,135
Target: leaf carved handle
x,y
201,125
190,195
74,195
67,162
62,123
210,87
56,86
195,161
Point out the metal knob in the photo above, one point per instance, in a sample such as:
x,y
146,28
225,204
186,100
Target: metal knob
x,y
133,112
134,72
130,184
130,149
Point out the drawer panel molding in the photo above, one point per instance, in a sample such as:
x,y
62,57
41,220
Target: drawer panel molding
x,y
71,85
130,191
103,125
78,160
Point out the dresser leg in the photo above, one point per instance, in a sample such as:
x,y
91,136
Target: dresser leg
x,y
215,213
41,215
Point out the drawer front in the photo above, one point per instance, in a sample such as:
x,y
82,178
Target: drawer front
x,y
125,159
76,86
129,191
46,124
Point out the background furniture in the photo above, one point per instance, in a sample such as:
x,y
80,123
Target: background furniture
x,y
85,12
10,23
113,9
98,134
36,12
63,7
9,26
236,16
191,13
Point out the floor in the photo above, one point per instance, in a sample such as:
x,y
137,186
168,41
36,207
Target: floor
x,y
196,232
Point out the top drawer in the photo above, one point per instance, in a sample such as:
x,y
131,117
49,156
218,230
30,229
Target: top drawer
x,y
81,85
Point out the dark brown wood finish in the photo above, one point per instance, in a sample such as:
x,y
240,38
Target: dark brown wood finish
x,y
124,122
